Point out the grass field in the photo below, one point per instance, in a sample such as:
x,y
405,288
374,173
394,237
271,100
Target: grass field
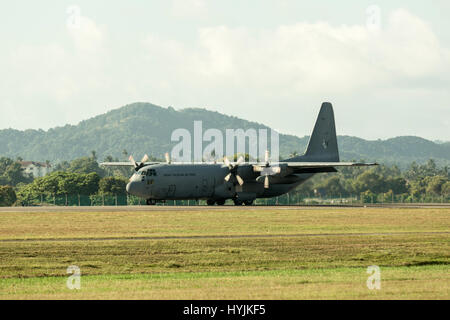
x,y
227,254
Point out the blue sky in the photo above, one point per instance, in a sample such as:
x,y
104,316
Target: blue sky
x,y
387,72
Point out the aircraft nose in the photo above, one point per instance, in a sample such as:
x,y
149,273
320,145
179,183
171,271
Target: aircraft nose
x,y
131,187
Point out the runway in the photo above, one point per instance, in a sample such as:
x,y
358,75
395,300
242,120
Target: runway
x,y
219,208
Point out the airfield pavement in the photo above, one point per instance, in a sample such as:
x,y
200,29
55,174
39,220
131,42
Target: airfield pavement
x,y
226,252
215,207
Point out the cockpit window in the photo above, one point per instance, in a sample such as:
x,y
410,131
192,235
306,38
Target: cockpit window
x,y
149,172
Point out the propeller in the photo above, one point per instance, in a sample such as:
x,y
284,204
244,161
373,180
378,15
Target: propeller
x,y
267,170
211,158
233,169
167,156
138,165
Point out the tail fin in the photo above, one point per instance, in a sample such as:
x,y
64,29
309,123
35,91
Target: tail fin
x,y
322,145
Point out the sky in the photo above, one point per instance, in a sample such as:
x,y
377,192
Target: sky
x,y
384,65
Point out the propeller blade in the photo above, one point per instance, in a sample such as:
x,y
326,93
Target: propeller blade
x,y
227,162
166,155
135,165
144,158
266,157
233,169
266,182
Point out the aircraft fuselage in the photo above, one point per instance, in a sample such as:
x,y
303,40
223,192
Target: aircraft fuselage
x,y
204,181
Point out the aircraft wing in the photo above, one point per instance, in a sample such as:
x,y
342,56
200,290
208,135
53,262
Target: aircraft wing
x,y
314,167
123,164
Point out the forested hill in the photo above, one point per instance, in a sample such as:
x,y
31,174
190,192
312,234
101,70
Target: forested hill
x,y
146,128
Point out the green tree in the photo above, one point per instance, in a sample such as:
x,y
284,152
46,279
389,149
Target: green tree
x,y
72,183
86,165
368,197
88,184
62,166
7,196
11,173
446,189
434,185
60,183
398,185
333,186
417,188
369,180
112,185
50,183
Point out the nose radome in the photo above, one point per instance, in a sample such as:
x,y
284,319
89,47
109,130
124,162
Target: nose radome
x,y
129,187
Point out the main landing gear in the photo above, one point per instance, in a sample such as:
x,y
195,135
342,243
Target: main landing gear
x,y
151,202
238,202
221,202
211,202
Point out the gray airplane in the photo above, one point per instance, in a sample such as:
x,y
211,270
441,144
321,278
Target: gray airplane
x,y
240,181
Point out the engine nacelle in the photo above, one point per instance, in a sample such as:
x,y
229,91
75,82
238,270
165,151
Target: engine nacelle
x,y
280,170
224,191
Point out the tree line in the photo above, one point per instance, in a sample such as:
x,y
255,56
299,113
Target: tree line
x,y
419,182
84,176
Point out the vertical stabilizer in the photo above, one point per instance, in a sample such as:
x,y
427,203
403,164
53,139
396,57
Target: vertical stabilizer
x,y
322,145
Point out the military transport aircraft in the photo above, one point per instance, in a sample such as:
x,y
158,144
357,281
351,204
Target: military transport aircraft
x,y
240,181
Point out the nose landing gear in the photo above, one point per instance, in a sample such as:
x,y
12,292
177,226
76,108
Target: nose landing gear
x,y
211,202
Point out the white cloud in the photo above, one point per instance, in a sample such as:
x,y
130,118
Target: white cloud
x,y
47,69
88,37
312,57
46,79
56,72
243,71
295,67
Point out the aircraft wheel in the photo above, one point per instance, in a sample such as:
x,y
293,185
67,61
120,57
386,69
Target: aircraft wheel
x,y
238,202
210,202
221,202
151,202
248,202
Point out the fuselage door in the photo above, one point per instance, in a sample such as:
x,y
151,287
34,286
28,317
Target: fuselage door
x,y
204,186
171,190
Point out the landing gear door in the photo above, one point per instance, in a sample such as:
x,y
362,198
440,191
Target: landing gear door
x,y
207,187
171,190
149,186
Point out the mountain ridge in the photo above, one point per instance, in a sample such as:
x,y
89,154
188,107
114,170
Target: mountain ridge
x,y
146,128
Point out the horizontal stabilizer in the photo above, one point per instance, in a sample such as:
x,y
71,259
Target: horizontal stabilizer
x,y
329,164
